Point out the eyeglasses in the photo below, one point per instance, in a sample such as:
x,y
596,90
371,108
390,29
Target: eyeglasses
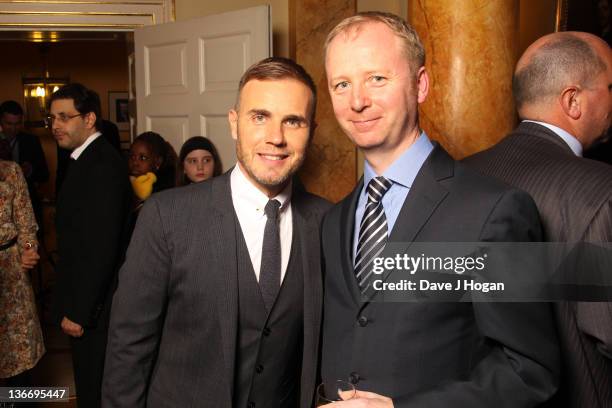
x,y
62,118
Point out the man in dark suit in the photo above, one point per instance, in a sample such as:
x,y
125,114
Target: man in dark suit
x,y
109,131
91,210
200,317
562,87
412,354
26,150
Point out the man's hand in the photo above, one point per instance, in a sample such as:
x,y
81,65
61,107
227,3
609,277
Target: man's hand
x,y
71,328
365,399
29,257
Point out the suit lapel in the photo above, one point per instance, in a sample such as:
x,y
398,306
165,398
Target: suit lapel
x,y
424,196
307,224
224,270
347,218
76,175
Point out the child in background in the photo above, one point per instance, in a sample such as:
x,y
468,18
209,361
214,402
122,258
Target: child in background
x,y
198,161
152,165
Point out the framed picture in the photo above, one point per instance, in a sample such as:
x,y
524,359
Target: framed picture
x,y
118,110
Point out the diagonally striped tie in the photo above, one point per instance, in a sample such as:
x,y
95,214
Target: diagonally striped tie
x,y
372,231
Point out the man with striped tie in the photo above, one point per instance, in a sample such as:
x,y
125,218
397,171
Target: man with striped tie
x,y
411,354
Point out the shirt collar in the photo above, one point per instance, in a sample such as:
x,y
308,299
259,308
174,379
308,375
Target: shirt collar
x,y
79,150
406,167
570,140
245,192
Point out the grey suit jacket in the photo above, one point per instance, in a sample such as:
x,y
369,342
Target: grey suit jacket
x,y
574,198
172,339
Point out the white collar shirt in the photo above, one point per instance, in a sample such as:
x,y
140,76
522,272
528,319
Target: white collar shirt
x,y
249,203
567,137
79,150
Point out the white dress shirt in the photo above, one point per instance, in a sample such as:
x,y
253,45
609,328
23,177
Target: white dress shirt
x,y
79,150
568,138
249,203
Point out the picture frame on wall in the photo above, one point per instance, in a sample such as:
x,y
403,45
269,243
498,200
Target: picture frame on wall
x,y
118,109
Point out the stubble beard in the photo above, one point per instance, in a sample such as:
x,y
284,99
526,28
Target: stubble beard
x,y
272,180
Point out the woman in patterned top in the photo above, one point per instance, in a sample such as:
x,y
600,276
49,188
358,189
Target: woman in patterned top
x,y
21,340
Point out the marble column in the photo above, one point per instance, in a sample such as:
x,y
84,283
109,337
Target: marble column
x,y
471,49
331,165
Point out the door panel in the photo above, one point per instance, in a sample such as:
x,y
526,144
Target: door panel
x,y
175,129
166,69
187,74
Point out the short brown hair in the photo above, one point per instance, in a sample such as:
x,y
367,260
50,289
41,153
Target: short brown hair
x,y
85,100
276,68
412,43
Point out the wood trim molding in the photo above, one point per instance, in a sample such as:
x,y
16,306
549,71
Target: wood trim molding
x,y
109,15
561,15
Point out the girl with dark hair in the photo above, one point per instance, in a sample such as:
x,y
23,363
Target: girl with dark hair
x,y
152,165
198,161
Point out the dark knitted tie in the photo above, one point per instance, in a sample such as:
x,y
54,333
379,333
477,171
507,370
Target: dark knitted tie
x,y
372,231
270,271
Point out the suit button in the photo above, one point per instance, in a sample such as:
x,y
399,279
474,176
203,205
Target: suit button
x,y
354,377
259,368
266,331
363,321
251,404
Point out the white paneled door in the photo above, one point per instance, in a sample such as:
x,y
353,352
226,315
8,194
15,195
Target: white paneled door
x,y
187,74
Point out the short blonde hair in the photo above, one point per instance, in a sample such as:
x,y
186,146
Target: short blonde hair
x,y
415,52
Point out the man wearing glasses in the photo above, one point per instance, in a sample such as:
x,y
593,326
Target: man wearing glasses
x,y
91,209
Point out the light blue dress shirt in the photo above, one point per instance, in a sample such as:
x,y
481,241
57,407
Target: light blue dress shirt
x,y
402,173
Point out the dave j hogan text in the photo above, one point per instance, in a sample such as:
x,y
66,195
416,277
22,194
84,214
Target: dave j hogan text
x,y
426,285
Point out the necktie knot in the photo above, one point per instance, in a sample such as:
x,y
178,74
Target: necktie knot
x,y
377,187
271,209
372,232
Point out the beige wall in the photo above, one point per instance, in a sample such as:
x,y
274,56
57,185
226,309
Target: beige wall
x,y
186,9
